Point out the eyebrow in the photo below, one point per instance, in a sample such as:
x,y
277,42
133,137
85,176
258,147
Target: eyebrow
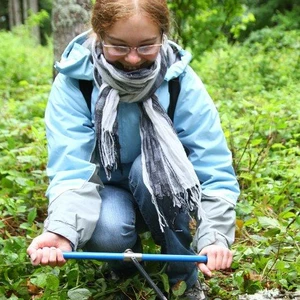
x,y
117,40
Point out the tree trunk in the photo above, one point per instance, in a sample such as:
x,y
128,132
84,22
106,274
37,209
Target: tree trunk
x,y
25,9
69,18
34,8
15,13
10,15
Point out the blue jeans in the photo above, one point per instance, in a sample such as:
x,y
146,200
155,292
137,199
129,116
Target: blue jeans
x,y
127,210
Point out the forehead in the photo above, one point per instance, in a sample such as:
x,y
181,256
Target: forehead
x,y
134,29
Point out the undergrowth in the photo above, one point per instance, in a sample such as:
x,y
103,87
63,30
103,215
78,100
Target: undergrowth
x,y
256,89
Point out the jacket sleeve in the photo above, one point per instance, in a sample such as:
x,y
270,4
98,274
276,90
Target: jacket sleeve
x,y
73,192
198,125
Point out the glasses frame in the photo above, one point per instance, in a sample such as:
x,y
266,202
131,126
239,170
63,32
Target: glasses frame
x,y
129,49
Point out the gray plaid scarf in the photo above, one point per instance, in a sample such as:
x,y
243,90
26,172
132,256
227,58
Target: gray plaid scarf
x,y
167,172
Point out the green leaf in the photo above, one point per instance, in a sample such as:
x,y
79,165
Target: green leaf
x,y
250,222
267,222
31,216
40,280
52,282
283,282
282,265
165,280
271,232
79,294
256,142
287,215
179,288
278,146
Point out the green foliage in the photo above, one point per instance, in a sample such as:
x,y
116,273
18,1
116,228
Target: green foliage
x,y
255,87
23,64
273,13
45,25
201,25
24,86
205,25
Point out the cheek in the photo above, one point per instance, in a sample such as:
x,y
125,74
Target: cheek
x,y
109,58
151,58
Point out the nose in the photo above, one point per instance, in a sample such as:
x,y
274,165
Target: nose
x,y
133,57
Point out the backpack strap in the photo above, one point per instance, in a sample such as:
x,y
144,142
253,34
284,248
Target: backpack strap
x,y
86,88
174,90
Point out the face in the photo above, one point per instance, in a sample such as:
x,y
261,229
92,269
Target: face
x,y
135,31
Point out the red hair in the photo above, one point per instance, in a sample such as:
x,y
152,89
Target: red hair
x,y
107,12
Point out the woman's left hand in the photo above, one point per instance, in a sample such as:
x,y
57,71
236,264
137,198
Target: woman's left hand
x,y
218,258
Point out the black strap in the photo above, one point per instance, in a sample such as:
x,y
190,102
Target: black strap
x,y
86,88
174,90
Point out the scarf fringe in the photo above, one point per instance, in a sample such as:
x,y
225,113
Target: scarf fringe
x,y
188,200
109,154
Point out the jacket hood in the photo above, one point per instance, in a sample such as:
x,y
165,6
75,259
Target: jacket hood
x,y
76,59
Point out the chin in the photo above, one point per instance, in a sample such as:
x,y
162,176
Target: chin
x,y
131,68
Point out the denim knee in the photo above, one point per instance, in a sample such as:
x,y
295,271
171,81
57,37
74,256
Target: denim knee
x,y
112,239
136,174
115,230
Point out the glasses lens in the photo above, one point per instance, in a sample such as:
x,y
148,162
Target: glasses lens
x,y
118,50
148,50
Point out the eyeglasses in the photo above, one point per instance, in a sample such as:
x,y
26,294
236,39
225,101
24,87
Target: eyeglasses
x,y
124,50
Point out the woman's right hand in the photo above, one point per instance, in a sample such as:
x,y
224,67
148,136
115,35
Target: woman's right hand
x,y
47,248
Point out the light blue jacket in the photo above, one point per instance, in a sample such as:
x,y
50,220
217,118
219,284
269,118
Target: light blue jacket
x,y
73,169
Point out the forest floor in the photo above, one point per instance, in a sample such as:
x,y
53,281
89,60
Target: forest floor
x,y
271,294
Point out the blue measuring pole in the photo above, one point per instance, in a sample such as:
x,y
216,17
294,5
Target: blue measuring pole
x,y
103,256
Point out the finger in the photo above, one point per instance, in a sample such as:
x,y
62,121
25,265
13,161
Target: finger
x,y
211,253
39,255
219,260
45,256
60,258
32,254
52,257
211,260
205,270
224,259
228,262
32,247
33,257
